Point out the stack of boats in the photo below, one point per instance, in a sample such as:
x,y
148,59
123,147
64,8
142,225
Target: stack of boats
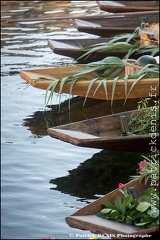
x,y
120,17
107,132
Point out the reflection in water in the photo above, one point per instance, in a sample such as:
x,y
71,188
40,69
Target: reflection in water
x,y
30,210
24,43
41,120
99,174
46,9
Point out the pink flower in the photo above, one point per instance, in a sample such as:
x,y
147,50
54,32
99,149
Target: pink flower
x,y
141,164
120,185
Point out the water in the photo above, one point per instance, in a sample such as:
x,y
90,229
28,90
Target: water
x,y
35,167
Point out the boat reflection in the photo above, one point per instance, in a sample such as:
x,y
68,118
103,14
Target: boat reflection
x,y
41,120
98,175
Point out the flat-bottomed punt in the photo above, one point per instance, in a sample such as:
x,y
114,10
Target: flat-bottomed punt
x,y
86,218
109,132
75,48
128,6
114,25
140,90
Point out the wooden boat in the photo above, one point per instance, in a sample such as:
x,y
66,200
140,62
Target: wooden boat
x,y
86,218
128,6
58,115
75,48
114,25
106,132
140,90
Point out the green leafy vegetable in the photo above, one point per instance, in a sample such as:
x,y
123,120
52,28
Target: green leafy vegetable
x,y
133,211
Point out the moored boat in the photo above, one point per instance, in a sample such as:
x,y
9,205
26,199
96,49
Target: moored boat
x,y
86,218
76,48
128,6
109,132
115,25
43,77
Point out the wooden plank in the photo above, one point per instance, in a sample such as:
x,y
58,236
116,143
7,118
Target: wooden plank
x,y
78,43
72,133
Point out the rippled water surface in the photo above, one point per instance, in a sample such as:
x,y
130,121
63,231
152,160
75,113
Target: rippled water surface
x,y
44,179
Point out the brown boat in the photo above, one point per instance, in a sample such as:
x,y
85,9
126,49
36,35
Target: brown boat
x,y
109,132
43,77
115,25
74,111
75,48
128,6
86,218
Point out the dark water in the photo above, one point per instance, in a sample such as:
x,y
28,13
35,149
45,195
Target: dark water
x,y
44,179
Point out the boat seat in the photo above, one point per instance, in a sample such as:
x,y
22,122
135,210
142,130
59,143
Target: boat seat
x,y
73,133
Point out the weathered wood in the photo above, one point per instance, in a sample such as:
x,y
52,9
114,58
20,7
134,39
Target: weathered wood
x,y
86,218
114,25
74,110
103,133
140,90
128,6
75,48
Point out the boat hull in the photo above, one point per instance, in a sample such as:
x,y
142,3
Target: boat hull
x,y
86,219
141,89
103,133
75,48
128,6
108,27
